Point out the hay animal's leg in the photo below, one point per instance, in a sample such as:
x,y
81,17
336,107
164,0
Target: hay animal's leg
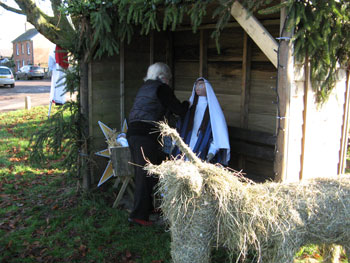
x,y
331,253
347,252
336,253
283,251
192,241
326,251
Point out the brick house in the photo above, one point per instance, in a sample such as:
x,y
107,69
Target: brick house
x,y
31,48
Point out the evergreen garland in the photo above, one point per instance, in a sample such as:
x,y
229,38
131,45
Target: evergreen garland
x,y
322,28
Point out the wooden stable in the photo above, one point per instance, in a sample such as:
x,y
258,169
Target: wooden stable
x,y
276,129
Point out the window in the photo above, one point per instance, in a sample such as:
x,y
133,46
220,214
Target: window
x,y
23,63
17,50
18,64
28,62
5,71
22,48
28,49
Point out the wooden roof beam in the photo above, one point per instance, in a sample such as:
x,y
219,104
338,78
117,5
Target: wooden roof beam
x,y
256,31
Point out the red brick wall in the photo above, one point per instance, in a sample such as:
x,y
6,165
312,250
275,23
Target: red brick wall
x,y
23,53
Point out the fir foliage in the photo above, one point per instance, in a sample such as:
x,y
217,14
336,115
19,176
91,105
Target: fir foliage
x,y
58,139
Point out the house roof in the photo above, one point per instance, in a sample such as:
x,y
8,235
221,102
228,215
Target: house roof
x,y
28,35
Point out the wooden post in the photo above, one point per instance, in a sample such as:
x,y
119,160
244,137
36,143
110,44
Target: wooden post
x,y
345,128
27,103
169,56
123,170
203,54
246,78
306,98
256,31
245,90
122,83
285,70
151,47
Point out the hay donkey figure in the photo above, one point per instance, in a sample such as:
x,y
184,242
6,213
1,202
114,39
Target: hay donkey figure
x,y
207,206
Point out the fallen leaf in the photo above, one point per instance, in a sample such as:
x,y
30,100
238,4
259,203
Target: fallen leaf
x,y
9,244
128,254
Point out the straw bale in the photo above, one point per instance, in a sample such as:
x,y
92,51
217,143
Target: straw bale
x,y
208,205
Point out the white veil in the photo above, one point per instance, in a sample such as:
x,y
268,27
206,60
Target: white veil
x,y
217,118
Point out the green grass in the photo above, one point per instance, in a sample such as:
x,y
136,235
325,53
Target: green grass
x,y
45,217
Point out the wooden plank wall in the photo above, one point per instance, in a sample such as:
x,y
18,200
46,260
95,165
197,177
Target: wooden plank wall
x,y
185,62
104,104
224,71
137,60
242,77
323,132
106,88
240,68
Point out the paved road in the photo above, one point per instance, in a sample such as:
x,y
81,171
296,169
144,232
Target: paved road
x,y
14,98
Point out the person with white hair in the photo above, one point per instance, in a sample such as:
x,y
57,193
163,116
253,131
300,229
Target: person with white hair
x,y
204,127
153,101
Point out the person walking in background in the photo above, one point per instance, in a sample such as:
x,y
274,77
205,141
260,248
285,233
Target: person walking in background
x,y
153,101
204,128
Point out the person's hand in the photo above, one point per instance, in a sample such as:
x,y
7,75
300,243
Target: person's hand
x,y
210,156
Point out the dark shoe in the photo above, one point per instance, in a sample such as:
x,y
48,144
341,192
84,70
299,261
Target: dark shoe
x,y
140,222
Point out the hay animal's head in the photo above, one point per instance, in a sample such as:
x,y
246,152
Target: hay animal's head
x,y
179,176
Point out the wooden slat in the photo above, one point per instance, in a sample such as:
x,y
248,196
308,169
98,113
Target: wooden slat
x,y
230,48
228,25
203,54
256,31
305,101
151,47
246,77
160,46
251,143
225,71
259,170
255,151
169,56
262,122
122,84
283,90
252,136
345,128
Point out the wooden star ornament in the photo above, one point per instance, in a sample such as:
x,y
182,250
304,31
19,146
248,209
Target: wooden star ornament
x,y
112,140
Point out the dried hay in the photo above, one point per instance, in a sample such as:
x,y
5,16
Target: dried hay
x,y
114,138
208,205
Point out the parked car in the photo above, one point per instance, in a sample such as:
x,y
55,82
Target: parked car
x,y
30,72
6,77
